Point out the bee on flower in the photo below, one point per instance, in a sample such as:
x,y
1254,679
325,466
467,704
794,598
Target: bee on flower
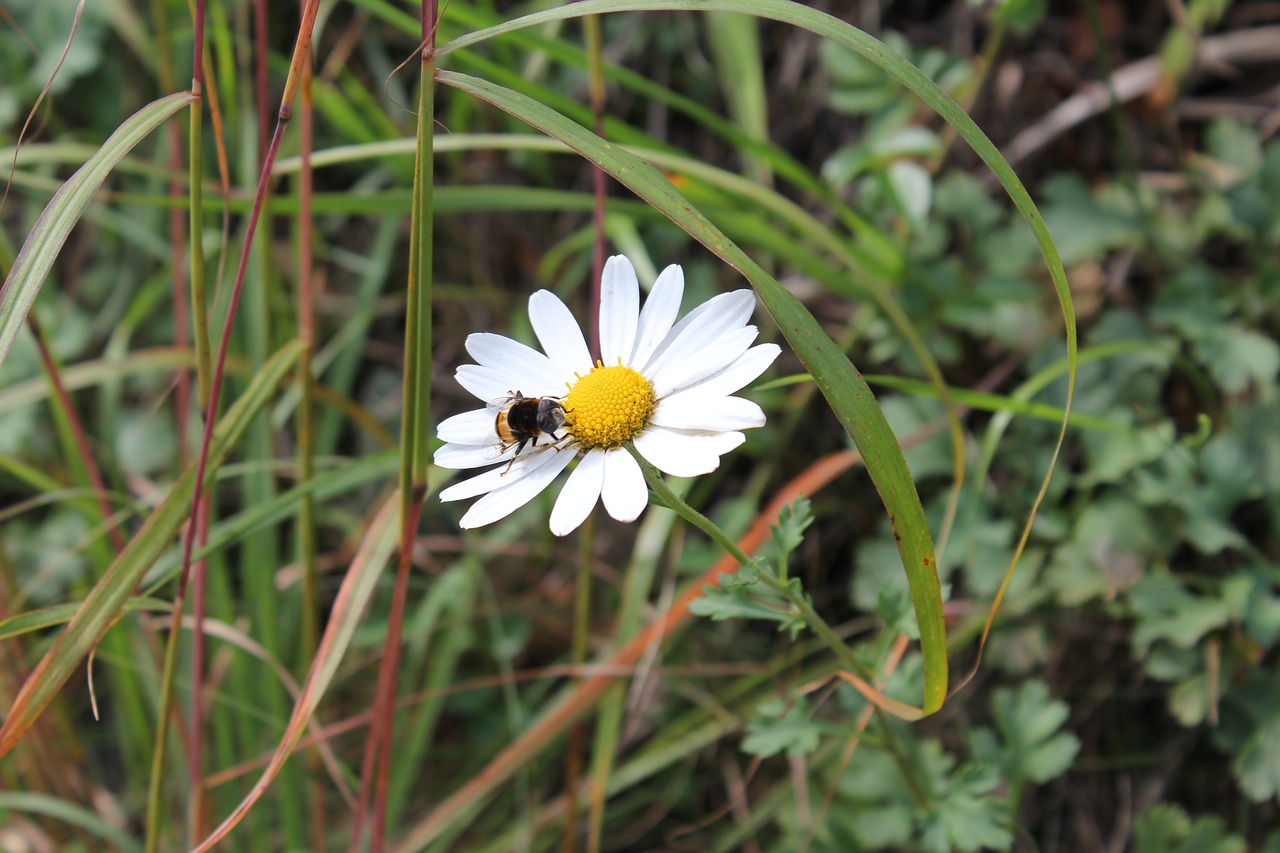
x,y
663,386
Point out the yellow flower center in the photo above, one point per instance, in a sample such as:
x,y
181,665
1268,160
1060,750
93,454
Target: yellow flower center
x,y
609,406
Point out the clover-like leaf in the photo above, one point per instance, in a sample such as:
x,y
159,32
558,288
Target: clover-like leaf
x,y
1166,828
966,818
1030,746
741,596
782,726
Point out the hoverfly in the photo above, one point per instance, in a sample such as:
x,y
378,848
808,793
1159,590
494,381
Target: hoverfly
x,y
523,420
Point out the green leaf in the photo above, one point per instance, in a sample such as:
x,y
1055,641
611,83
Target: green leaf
x,y
1257,765
1083,226
875,803
788,533
1031,747
1021,16
1167,829
1237,357
64,210
782,727
1235,144
730,599
1168,611
966,818
894,607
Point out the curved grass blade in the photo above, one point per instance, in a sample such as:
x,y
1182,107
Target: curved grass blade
x,y
69,814
64,210
106,601
357,586
849,396
904,72
58,614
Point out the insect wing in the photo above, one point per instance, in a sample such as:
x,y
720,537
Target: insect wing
x,y
506,401
499,450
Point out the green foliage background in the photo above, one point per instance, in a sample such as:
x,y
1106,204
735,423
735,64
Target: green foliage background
x,y
1127,696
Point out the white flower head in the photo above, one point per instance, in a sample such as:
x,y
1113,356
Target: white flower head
x,y
664,386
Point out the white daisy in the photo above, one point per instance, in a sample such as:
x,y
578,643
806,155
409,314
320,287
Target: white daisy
x,y
664,386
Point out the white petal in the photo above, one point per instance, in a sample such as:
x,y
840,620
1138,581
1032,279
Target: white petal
x,y
691,362
558,332
625,493
696,411
658,314
683,453
703,326
471,455
737,375
490,385
528,368
474,427
502,475
579,495
500,503
619,308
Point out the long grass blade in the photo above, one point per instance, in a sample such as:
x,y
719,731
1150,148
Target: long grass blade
x,y
106,601
847,393
899,68
64,210
357,586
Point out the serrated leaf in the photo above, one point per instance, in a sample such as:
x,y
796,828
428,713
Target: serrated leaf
x,y
894,607
1167,829
788,533
731,602
1082,226
966,818
1167,611
1031,747
1237,357
782,728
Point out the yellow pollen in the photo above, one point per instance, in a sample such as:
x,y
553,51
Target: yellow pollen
x,y
609,406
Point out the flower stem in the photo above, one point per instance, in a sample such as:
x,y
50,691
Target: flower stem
x,y
793,595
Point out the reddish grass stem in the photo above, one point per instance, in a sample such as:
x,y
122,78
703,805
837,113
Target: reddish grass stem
x,y
301,46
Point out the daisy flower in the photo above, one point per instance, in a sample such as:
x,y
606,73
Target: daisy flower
x,y
664,386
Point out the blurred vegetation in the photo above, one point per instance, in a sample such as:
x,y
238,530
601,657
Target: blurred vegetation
x,y
1128,697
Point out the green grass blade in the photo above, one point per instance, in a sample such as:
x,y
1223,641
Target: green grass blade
x,y
357,586
60,614
64,210
107,599
900,69
735,44
69,814
842,385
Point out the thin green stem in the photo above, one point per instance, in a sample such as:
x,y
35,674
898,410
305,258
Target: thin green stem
x,y
797,600
595,85
414,443
578,656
